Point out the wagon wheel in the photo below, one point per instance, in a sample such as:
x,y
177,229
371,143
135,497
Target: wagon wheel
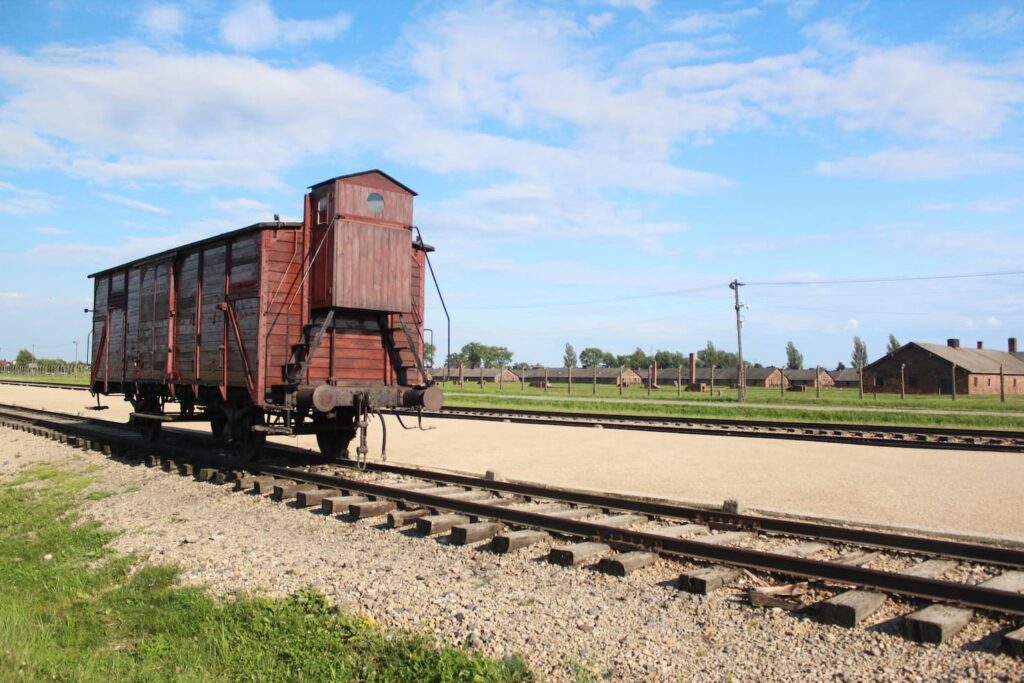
x,y
150,430
250,448
218,425
247,442
334,443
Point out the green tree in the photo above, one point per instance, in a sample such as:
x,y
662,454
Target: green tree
x,y
670,359
840,365
569,357
454,359
794,359
637,360
710,355
593,356
860,353
894,344
429,351
24,357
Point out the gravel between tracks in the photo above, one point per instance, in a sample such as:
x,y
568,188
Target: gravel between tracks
x,y
560,620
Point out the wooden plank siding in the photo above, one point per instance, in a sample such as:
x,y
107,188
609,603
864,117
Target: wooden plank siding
x,y
162,320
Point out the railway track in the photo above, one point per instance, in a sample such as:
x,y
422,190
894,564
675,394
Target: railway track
x,y
790,564
871,435
856,434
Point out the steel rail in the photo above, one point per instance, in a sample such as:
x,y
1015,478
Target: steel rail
x,y
961,550
893,582
759,428
972,552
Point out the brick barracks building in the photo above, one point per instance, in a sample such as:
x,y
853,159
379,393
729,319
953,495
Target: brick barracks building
x,y
933,368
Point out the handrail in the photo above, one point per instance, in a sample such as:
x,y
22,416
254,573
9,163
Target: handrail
x,y
302,281
437,287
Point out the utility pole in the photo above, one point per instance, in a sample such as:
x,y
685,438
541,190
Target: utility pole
x,y
741,375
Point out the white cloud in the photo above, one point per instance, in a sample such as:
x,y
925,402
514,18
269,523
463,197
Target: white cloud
x,y
11,295
988,205
253,26
851,324
45,230
24,201
133,203
132,247
924,163
994,321
525,212
641,5
162,20
241,204
19,146
599,21
704,22
1007,19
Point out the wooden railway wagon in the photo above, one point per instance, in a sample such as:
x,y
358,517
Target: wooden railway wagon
x,y
276,328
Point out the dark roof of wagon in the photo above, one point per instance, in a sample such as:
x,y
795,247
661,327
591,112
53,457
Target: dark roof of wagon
x,y
270,225
978,361
372,170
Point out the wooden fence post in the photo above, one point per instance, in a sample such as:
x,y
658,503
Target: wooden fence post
x,y
679,382
860,375
817,381
462,374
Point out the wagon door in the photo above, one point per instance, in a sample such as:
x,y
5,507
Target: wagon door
x,y
321,251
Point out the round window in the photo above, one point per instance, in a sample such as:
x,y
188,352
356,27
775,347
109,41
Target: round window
x,y
375,204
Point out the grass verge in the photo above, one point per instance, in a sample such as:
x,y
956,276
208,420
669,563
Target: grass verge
x,y
71,609
966,420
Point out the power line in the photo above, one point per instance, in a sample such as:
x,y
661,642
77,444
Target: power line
x,y
854,281
630,297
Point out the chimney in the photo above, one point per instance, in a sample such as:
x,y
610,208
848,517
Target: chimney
x,y
1011,345
981,345
693,365
953,343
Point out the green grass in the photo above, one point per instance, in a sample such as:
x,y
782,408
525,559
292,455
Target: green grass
x,y
79,378
71,609
830,397
881,412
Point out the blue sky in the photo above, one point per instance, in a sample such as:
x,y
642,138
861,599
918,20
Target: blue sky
x,y
592,172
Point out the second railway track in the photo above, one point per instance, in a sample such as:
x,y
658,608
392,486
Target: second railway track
x,y
1007,441
620,534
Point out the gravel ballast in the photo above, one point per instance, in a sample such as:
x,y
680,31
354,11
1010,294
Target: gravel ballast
x,y
560,620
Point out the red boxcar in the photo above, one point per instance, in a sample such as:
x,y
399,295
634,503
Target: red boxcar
x,y
281,328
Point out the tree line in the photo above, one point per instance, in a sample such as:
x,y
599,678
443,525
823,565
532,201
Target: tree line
x,y
478,355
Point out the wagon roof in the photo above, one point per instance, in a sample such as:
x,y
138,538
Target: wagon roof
x,y
271,225
369,172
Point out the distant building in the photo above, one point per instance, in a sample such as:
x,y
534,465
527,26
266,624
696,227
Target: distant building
x,y
473,375
807,378
724,377
847,378
936,369
583,375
